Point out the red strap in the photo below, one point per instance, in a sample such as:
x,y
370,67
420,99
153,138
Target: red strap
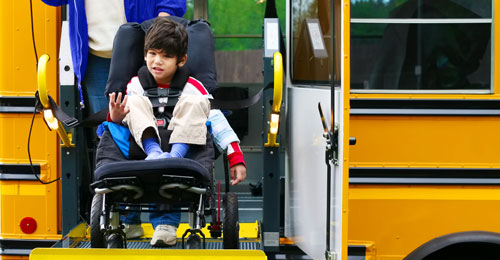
x,y
197,85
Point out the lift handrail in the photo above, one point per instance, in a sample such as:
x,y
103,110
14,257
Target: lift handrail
x,y
277,98
48,114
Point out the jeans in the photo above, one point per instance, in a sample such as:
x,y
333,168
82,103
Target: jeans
x,y
94,82
156,218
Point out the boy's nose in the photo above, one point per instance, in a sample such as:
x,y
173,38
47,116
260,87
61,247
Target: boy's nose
x,y
158,60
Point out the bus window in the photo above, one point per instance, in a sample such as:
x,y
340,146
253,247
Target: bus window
x,y
421,46
310,44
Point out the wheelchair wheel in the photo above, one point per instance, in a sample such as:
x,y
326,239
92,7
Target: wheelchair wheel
x,y
193,242
115,241
231,226
96,236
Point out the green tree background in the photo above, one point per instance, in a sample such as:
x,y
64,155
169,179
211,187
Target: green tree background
x,y
240,18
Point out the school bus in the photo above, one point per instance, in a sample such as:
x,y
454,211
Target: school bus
x,y
422,83
412,161
424,110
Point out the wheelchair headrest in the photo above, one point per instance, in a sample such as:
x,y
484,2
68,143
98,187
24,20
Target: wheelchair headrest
x,y
128,54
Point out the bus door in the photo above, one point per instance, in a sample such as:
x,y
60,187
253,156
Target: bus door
x,y
317,104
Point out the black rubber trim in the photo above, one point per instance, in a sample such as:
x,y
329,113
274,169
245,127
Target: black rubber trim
x,y
449,176
422,107
18,172
441,242
22,246
356,252
17,105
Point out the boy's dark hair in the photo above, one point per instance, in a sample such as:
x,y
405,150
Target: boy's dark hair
x,y
168,36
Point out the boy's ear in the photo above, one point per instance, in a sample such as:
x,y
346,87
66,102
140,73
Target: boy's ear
x,y
183,61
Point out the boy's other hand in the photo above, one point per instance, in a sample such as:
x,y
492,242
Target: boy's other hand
x,y
117,108
238,173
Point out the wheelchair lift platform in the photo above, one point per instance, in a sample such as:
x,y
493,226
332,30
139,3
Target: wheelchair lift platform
x,y
110,254
76,245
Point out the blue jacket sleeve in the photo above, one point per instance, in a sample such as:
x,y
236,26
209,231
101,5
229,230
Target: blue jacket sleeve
x,y
55,2
172,7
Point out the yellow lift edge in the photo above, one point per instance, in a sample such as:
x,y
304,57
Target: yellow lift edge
x,y
143,254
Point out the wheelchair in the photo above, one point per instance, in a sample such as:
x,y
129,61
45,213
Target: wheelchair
x,y
125,186
170,184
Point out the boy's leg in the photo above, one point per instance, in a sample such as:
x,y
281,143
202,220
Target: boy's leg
x,y
142,125
165,225
189,119
140,118
132,223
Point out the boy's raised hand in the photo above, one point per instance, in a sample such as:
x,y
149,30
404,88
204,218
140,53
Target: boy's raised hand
x,y
117,108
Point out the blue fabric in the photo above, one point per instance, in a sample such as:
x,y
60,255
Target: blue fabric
x,y
120,134
135,11
95,82
152,148
156,218
179,150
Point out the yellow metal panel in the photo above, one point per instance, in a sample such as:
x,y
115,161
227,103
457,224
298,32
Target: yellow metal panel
x,y
496,46
18,62
143,254
43,146
418,214
346,84
21,199
425,141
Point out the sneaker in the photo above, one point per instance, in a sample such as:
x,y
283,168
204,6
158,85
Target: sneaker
x,y
165,235
133,230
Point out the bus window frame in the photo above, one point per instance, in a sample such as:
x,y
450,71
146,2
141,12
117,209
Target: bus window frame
x,y
493,61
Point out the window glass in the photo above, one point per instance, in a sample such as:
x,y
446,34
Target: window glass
x,y
237,28
311,45
446,45
421,8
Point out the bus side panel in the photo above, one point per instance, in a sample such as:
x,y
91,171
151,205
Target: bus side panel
x,y
400,218
425,141
29,210
18,62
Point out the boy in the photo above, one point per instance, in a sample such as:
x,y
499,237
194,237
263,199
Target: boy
x,y
165,51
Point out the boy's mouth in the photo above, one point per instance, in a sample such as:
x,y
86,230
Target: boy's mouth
x,y
156,69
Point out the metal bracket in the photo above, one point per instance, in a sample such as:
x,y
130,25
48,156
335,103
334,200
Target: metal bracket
x,y
330,255
331,137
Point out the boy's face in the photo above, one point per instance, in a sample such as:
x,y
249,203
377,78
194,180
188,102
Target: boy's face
x,y
162,66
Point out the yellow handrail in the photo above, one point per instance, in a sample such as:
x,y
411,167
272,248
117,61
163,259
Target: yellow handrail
x,y
277,98
278,81
42,80
48,115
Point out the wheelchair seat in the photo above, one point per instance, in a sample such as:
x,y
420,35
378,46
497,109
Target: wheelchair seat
x,y
174,179
150,169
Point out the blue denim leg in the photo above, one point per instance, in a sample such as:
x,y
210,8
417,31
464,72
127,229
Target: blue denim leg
x,y
162,218
132,218
95,80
